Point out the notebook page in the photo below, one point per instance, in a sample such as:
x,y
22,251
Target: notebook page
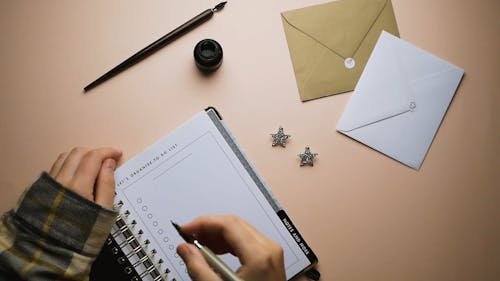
x,y
191,172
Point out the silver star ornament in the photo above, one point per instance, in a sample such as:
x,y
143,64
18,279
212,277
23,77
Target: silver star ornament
x,y
280,138
307,157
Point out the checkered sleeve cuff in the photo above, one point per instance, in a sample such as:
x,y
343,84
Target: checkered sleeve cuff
x,y
63,217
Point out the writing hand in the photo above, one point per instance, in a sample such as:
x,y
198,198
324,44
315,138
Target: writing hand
x,y
88,172
261,258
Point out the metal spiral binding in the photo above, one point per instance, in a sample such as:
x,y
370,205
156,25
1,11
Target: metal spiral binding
x,y
138,249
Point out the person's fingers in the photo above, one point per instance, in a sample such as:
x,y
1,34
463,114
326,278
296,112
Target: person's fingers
x,y
197,266
56,167
70,164
225,234
105,184
260,257
89,167
267,260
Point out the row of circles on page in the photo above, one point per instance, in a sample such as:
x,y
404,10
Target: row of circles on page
x,y
159,231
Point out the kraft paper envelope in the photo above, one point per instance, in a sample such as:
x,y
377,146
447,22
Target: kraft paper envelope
x,y
330,43
400,100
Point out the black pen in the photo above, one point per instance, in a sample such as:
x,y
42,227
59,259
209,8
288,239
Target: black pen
x,y
215,262
158,44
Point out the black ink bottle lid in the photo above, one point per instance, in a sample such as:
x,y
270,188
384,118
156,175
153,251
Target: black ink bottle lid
x,y
208,55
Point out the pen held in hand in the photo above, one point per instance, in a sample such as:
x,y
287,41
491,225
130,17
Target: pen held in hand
x,y
158,44
213,260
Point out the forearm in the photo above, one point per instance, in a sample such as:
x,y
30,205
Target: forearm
x,y
52,234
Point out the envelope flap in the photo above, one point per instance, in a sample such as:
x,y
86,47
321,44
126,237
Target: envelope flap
x,y
340,26
383,90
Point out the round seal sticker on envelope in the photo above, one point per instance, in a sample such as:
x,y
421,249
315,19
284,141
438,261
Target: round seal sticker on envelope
x,y
349,63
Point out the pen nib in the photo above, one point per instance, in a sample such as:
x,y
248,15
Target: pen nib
x,y
219,6
186,237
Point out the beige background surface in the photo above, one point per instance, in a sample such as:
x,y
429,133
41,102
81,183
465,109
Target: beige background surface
x,y
366,216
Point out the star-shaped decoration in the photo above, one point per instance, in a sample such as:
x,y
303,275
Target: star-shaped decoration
x,y
280,138
307,157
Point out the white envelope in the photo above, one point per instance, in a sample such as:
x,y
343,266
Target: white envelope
x,y
400,100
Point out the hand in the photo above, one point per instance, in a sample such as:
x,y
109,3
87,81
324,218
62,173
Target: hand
x,y
90,173
261,258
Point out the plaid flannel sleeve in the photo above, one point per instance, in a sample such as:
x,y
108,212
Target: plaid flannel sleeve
x,y
52,234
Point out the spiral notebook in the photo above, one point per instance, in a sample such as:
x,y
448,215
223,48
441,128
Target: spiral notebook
x,y
197,169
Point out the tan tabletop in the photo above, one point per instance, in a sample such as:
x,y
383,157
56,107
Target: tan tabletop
x,y
366,216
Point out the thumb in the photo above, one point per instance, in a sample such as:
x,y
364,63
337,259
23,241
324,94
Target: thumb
x,y
197,266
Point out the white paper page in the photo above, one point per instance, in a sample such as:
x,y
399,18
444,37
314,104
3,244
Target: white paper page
x,y
193,172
